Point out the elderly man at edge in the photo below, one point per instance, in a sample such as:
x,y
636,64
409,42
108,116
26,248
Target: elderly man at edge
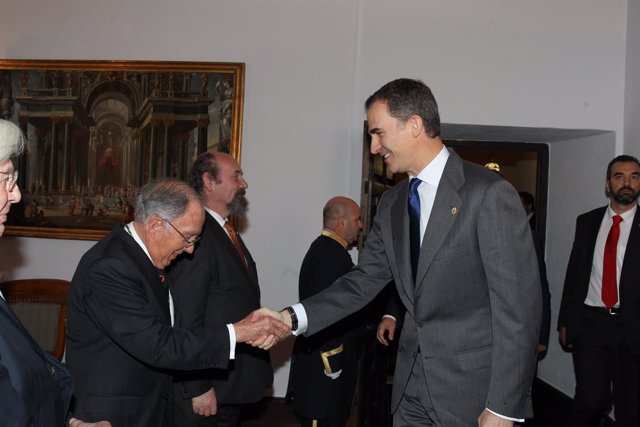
x,y
35,387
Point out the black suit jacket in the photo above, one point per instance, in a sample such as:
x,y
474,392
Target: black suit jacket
x,y
213,287
120,342
315,395
35,388
576,284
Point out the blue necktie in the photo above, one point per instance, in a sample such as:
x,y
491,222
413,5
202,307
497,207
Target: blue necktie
x,y
414,223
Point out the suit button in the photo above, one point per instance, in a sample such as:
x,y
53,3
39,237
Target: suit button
x,y
52,370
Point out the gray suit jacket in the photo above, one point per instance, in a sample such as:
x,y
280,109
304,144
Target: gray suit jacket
x,y
474,309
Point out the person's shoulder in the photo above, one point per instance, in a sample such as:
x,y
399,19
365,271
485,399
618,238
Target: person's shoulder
x,y
477,173
596,213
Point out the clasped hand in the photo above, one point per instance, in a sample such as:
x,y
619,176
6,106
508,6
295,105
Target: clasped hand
x,y
263,329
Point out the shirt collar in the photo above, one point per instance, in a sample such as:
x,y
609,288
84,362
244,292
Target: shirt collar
x,y
626,216
432,173
335,236
216,216
131,230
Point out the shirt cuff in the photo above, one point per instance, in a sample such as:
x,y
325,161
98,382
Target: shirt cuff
x,y
232,341
520,420
390,317
303,321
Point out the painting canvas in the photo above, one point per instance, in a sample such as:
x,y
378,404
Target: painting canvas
x,y
97,131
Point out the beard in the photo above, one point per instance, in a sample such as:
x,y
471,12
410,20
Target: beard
x,y
239,205
625,199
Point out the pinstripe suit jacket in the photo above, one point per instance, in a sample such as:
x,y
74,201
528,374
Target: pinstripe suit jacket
x,y
474,309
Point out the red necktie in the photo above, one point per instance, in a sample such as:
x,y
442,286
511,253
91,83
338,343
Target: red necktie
x,y
233,235
609,283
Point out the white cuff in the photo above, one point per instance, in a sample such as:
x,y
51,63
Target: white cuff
x,y
303,321
232,341
520,420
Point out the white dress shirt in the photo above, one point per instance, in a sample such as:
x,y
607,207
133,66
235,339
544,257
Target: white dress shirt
x,y
594,295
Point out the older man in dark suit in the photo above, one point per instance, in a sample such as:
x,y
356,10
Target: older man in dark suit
x,y
218,284
120,339
599,318
455,240
35,388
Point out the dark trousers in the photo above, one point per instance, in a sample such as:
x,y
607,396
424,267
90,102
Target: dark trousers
x,y
603,363
183,416
307,422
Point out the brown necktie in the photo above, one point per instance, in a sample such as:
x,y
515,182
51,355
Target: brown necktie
x,y
233,235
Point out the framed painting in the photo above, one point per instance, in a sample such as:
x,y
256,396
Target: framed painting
x,y
97,131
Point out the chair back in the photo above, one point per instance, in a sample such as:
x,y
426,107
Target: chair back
x,y
41,306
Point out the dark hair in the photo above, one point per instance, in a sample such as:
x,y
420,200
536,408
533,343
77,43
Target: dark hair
x,y
206,162
624,158
527,198
406,98
168,198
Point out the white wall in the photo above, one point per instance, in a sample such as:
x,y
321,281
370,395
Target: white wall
x,y
632,88
576,185
310,66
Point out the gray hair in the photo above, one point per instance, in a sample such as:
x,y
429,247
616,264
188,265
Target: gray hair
x,y
11,140
166,198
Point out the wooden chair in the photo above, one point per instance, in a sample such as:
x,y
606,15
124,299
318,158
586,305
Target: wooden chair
x,y
41,306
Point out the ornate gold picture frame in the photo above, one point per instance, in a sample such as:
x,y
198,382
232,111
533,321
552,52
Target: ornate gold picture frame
x,y
97,131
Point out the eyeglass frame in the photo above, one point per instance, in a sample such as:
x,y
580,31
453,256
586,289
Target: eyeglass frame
x,y
188,241
11,180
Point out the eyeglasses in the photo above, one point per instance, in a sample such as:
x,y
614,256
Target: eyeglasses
x,y
190,242
10,180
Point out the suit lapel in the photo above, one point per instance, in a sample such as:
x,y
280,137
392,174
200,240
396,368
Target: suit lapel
x,y
632,251
150,273
443,215
592,236
231,254
401,247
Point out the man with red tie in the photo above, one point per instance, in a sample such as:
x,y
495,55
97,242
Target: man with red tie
x,y
599,318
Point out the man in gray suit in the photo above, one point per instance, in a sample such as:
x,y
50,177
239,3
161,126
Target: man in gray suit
x,y
457,244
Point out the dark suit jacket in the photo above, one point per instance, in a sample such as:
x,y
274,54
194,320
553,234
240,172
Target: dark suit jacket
x,y
474,309
35,388
120,340
212,288
315,395
576,284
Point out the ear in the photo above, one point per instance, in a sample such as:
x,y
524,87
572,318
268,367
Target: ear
x,y
154,224
415,125
207,180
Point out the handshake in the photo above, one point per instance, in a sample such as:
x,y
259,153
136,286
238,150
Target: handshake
x,y
263,328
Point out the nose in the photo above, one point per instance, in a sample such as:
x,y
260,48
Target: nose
x,y
15,195
189,249
375,145
243,183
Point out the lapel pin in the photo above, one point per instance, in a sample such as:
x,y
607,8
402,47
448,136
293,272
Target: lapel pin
x,y
454,210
